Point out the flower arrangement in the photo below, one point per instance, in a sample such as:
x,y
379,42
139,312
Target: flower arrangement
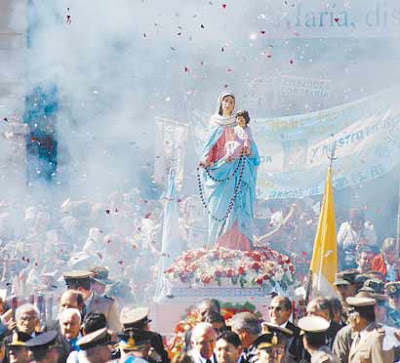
x,y
192,317
263,268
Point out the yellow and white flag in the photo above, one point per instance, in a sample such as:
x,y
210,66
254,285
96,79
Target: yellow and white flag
x,y
324,258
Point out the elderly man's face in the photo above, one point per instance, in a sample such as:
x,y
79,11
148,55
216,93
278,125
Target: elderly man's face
x,y
19,355
277,312
70,326
28,322
226,352
204,343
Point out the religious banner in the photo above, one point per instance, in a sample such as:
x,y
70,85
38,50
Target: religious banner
x,y
169,147
294,150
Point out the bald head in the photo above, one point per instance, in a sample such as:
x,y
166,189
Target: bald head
x,y
71,299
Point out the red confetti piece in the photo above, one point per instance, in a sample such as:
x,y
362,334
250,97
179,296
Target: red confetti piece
x,y
5,119
36,264
186,69
69,21
147,215
291,61
224,6
107,211
269,56
336,19
109,241
262,32
121,262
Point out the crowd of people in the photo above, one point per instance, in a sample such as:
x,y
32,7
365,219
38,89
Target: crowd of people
x,y
362,325
106,252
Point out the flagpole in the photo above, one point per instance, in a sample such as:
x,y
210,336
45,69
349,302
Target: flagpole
x,y
398,223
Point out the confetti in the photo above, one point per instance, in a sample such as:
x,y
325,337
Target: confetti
x,y
222,49
69,20
262,32
107,211
121,262
224,6
202,26
172,48
291,61
5,119
336,19
144,35
180,33
186,69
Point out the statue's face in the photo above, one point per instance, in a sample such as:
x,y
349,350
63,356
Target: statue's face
x,y
227,105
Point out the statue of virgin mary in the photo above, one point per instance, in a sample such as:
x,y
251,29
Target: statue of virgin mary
x,y
228,184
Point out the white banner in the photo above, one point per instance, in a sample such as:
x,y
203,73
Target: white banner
x,y
170,144
294,150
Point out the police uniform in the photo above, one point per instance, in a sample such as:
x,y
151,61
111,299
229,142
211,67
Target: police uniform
x,y
95,303
284,335
392,314
313,326
367,346
136,320
42,344
269,341
132,342
95,339
348,278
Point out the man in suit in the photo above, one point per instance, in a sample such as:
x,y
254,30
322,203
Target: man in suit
x,y
367,346
279,311
203,344
228,348
248,327
82,281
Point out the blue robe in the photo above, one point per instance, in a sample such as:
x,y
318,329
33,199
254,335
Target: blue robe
x,y
218,195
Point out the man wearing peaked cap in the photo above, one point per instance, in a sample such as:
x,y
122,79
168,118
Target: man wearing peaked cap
x,y
313,328
133,346
137,320
100,279
393,311
285,335
17,350
95,347
44,347
270,348
368,335
94,303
